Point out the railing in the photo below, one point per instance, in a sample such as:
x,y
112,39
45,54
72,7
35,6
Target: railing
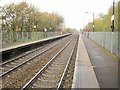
x,y
15,38
0,41
108,40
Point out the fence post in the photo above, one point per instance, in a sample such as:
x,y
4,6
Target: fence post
x,y
118,44
112,33
0,46
0,40
102,39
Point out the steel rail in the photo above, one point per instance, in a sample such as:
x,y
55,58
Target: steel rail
x,y
10,70
30,82
66,68
25,54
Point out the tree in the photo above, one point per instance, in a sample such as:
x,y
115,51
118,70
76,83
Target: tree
x,y
23,17
103,23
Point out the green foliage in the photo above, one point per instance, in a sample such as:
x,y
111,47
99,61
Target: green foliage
x,y
119,15
70,30
89,26
24,17
103,23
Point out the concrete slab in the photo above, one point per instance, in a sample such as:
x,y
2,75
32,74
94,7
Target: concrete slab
x,y
84,76
28,43
106,65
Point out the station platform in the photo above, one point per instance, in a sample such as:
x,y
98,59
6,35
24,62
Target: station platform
x,y
105,64
14,51
84,76
33,42
95,67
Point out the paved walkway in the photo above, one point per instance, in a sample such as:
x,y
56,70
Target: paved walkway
x,y
105,66
84,76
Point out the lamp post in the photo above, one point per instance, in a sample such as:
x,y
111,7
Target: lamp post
x,y
93,19
50,28
34,27
112,26
45,30
112,18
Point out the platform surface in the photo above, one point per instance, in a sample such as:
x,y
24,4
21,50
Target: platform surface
x,y
105,64
84,76
20,45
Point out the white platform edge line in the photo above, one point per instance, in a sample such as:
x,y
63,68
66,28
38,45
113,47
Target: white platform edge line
x,y
75,69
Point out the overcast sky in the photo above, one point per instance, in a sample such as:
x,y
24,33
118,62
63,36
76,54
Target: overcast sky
x,y
73,11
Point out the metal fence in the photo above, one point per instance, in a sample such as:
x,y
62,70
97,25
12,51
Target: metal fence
x,y
0,40
108,40
13,38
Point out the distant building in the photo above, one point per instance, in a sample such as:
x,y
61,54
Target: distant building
x,y
60,31
87,30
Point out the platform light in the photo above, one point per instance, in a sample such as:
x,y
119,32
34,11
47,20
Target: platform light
x,y
45,29
34,26
112,18
93,19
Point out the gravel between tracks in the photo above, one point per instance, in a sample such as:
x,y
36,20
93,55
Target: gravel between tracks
x,y
19,77
69,77
51,76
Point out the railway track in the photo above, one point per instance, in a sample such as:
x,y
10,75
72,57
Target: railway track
x,y
11,65
68,79
19,77
53,73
